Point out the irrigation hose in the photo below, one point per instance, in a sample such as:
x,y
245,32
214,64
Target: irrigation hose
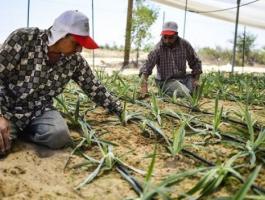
x,y
191,154
209,163
227,119
133,182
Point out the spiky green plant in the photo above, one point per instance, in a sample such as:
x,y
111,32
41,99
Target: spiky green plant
x,y
214,177
129,116
162,190
107,162
241,194
155,109
194,99
67,113
254,144
244,87
178,139
217,120
217,115
156,129
149,189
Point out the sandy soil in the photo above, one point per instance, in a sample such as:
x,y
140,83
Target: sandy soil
x,y
26,175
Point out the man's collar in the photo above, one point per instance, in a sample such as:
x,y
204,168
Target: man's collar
x,y
44,39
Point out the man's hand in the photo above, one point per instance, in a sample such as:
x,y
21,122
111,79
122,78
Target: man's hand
x,y
195,84
5,142
143,88
143,91
195,81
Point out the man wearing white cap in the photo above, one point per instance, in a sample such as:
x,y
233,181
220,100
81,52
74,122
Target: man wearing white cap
x,y
35,66
170,56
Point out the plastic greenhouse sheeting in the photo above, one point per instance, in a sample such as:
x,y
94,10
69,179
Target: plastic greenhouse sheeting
x,y
252,13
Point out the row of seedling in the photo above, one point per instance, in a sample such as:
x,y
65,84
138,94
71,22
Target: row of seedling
x,y
208,183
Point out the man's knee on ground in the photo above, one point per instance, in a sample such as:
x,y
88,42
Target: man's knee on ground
x,y
59,137
54,137
176,92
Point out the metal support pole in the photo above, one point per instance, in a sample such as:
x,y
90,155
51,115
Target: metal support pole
x,y
184,28
28,13
93,53
235,37
244,46
164,14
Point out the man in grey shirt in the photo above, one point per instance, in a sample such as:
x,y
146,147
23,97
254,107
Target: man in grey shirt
x,y
170,56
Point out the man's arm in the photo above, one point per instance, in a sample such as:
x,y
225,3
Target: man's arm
x,y
10,54
194,63
143,86
94,89
146,71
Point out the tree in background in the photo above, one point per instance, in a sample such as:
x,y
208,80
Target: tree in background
x,y
143,18
217,56
127,46
245,45
259,56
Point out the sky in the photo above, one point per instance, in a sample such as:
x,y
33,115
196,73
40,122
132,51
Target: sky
x,y
110,21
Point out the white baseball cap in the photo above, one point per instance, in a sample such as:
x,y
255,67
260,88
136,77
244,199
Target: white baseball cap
x,y
75,23
169,28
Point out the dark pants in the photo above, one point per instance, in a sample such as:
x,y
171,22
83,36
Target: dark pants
x,y
181,86
49,129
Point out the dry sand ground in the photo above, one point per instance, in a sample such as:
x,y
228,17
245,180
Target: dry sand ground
x,y
25,175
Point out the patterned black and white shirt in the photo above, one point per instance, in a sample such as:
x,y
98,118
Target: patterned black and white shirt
x,y
28,82
171,62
